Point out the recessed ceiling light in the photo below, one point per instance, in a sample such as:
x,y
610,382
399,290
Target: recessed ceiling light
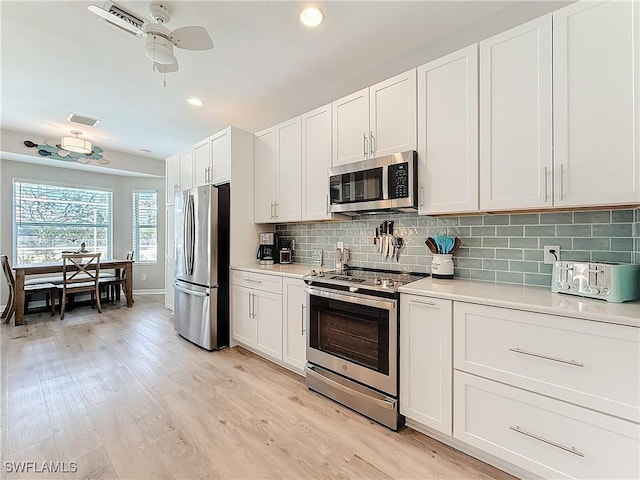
x,y
311,16
195,101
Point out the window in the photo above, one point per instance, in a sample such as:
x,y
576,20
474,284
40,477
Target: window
x,y
50,219
145,226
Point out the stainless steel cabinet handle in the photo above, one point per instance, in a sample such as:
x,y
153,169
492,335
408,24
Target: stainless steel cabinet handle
x,y
364,144
252,280
423,302
253,304
546,357
544,440
561,181
302,319
271,210
276,209
250,316
206,175
422,195
327,205
373,142
546,193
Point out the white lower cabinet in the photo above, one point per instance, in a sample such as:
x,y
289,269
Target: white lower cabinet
x,y
425,361
545,436
256,312
294,333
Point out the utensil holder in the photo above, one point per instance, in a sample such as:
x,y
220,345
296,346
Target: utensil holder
x,y
442,265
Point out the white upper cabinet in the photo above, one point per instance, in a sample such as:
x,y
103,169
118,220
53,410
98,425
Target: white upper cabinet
x,y
288,200
201,162
516,118
172,178
265,175
596,50
186,170
448,133
316,160
351,128
392,115
375,121
220,151
278,173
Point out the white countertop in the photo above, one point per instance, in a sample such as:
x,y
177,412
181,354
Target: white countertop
x,y
295,270
521,297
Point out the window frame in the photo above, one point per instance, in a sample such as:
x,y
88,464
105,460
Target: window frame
x,y
61,185
135,226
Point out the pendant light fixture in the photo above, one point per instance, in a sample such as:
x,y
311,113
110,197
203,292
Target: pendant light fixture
x,y
75,143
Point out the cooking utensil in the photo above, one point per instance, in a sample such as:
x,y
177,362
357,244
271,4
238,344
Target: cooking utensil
x,y
456,245
431,245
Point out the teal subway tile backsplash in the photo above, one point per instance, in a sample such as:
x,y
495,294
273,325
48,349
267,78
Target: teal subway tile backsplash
x,y
498,248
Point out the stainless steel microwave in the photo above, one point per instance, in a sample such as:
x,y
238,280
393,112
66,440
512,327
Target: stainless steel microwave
x,y
387,183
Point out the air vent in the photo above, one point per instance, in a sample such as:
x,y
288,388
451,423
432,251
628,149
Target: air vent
x,y
82,120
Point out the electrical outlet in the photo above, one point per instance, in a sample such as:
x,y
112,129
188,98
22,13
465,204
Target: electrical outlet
x,y
340,245
551,253
143,276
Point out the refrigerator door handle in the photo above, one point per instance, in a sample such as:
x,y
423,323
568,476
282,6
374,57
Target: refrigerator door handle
x,y
190,247
190,292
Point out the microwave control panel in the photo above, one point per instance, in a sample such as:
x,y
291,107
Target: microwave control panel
x,y
398,175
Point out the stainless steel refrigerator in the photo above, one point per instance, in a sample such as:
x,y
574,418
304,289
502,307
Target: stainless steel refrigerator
x,y
201,284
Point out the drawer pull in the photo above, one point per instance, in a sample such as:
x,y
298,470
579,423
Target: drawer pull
x,y
423,302
546,357
252,280
517,429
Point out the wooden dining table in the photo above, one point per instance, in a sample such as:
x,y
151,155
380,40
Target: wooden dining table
x,y
21,271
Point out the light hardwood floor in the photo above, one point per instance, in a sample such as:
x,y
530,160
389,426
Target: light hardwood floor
x,y
122,396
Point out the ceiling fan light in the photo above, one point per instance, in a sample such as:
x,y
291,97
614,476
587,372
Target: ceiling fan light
x,y
159,50
311,16
75,144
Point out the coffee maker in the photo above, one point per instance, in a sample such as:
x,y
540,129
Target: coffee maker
x,y
268,248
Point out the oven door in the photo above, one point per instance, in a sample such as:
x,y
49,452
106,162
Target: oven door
x,y
355,336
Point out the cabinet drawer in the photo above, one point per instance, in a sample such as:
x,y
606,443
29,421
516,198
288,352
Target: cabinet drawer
x,y
257,281
547,437
592,364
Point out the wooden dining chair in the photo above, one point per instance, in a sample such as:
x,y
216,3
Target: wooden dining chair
x,y
80,273
115,283
10,307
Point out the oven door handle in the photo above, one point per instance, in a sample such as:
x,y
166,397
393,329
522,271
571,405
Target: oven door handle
x,y
359,299
382,403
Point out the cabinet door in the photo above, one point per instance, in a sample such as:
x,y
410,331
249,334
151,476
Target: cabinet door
x,y
596,50
169,268
172,178
267,308
392,115
295,330
220,146
186,170
264,174
288,205
350,118
316,160
169,256
243,324
448,133
201,163
425,361
515,118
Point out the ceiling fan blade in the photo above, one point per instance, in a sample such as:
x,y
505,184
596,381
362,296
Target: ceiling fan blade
x,y
166,68
191,38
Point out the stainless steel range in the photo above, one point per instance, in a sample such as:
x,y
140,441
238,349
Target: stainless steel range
x,y
352,341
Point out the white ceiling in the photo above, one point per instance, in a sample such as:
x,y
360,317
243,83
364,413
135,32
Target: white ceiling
x,y
58,58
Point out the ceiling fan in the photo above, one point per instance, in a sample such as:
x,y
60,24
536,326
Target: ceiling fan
x,y
158,39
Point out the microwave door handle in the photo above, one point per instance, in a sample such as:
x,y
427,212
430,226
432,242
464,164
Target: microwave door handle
x,y
385,182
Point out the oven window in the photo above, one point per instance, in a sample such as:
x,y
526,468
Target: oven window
x,y
362,186
357,333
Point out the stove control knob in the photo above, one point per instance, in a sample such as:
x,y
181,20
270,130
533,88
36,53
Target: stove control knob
x,y
388,282
605,291
313,273
595,291
377,281
321,273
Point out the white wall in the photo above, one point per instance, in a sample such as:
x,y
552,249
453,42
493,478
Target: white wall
x,y
122,188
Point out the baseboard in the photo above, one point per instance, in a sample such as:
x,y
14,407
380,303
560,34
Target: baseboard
x,y
150,291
